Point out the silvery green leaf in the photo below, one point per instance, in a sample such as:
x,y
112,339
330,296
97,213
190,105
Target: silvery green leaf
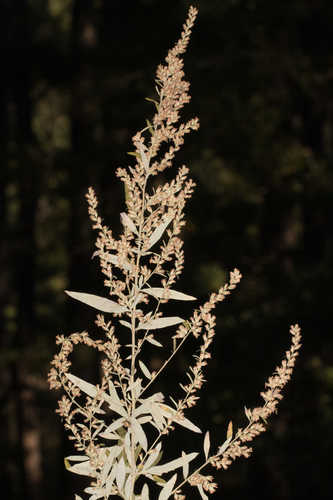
x,y
128,485
158,232
145,370
159,292
96,492
77,458
125,323
120,473
160,323
153,341
174,464
152,457
157,416
91,390
139,434
114,451
172,414
82,468
99,303
206,444
224,446
110,480
127,445
168,487
145,419
86,387
185,466
137,387
127,221
109,435
145,492
113,393
202,493
116,424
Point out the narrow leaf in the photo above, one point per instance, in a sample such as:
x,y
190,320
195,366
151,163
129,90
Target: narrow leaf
x,y
168,487
127,221
96,492
224,446
207,444
82,468
185,466
128,485
91,390
172,414
116,424
114,451
145,370
229,431
157,234
202,493
151,460
77,458
86,387
159,292
160,323
153,341
125,323
113,393
120,475
139,434
145,492
99,303
174,464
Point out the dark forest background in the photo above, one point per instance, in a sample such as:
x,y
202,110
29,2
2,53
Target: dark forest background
x,y
75,74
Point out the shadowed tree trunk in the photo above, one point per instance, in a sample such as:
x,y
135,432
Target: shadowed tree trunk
x,y
25,181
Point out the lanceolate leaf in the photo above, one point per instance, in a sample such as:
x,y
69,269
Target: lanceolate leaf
x,y
174,464
86,387
91,390
153,341
160,323
151,460
82,468
185,467
120,474
139,434
99,303
157,234
144,369
202,493
145,492
172,294
168,487
77,458
168,412
207,444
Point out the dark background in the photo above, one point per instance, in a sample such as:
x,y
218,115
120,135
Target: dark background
x,y
74,77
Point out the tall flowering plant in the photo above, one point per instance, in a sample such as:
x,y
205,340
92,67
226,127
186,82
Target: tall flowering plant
x,y
120,425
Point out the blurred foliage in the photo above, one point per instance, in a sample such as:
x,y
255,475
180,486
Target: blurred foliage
x,y
75,76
